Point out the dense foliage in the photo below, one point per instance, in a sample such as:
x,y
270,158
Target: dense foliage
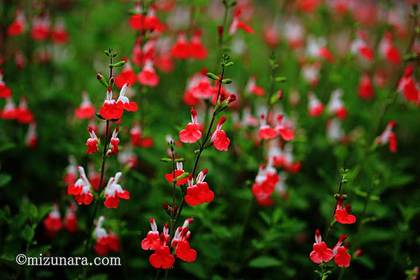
x,y
298,110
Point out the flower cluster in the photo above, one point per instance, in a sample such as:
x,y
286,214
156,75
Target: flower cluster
x,y
166,247
322,254
53,223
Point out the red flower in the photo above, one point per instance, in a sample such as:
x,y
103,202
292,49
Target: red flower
x,y
316,108
24,115
184,252
200,192
265,183
252,87
366,91
162,258
86,110
284,129
192,132
59,34
219,138
181,244
114,192
178,172
17,26
266,132
52,222
148,76
81,189
70,220
114,142
320,253
137,21
408,86
111,110
31,138
237,24
197,49
389,137
336,105
126,76
40,28
105,242
181,48
92,142
152,239
342,213
9,111
5,92
341,257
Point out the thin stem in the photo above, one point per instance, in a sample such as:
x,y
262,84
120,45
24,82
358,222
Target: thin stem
x,y
103,165
203,143
339,191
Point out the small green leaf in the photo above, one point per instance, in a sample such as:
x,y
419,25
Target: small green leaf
x,y
28,233
118,64
5,179
182,176
212,76
227,81
166,159
280,79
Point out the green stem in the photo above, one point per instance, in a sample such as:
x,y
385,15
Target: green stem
x,y
203,143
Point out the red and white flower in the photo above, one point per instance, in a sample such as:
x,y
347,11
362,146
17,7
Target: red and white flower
x,y
114,142
219,138
389,137
197,48
5,91
342,213
266,132
199,192
320,251
253,88
193,130
92,143
336,105
86,110
341,257
284,129
126,76
365,90
18,25
114,192
70,220
148,76
52,222
170,177
105,242
315,107
81,190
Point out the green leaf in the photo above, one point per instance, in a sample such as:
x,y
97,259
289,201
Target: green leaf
x,y
7,146
212,76
5,179
264,261
118,64
28,233
280,79
182,176
226,81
